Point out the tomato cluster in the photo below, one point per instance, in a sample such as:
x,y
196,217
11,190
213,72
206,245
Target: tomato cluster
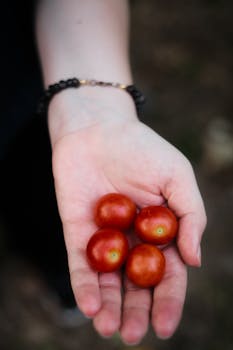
x,y
108,248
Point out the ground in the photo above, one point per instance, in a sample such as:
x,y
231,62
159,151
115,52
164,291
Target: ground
x,y
182,56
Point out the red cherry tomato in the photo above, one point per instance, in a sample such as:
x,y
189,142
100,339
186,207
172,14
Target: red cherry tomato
x,y
156,224
145,265
114,210
107,250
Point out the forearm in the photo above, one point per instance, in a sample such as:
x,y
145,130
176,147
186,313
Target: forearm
x,y
87,38
84,39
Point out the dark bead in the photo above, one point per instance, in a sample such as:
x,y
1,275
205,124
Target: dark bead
x,y
141,99
51,88
137,93
130,88
62,84
75,82
47,94
137,96
56,87
69,82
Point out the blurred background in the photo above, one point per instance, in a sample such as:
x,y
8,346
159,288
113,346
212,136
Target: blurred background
x,y
182,59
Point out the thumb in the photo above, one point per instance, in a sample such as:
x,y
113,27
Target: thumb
x,y
185,200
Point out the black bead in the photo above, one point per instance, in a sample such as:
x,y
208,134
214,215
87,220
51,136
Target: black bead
x,y
75,82
51,88
62,84
56,87
130,88
69,82
137,93
47,94
141,99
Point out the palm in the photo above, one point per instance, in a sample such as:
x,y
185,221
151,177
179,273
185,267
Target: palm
x,y
128,158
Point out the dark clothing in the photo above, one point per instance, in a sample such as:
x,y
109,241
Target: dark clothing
x,y
27,200
21,82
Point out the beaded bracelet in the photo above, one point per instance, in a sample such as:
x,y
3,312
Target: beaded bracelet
x,y
53,89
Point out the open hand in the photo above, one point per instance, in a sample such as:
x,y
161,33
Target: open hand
x,y
130,158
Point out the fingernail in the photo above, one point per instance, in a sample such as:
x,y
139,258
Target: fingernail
x,y
199,255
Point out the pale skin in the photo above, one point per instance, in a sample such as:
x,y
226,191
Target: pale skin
x,y
100,146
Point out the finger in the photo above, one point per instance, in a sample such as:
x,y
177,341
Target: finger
x,y
107,320
84,280
185,200
136,309
191,228
169,295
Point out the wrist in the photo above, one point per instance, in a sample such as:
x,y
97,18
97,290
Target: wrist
x,y
75,109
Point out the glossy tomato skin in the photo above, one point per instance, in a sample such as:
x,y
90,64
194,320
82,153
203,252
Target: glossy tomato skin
x,y
114,210
145,265
107,250
156,225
